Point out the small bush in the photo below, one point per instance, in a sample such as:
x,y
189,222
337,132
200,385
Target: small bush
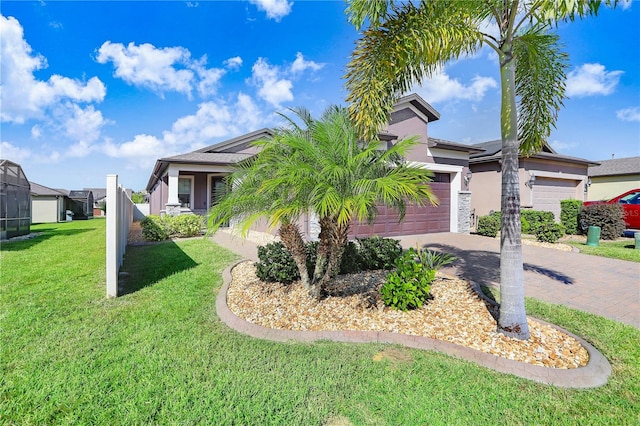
x,y
550,232
186,225
350,263
154,228
531,220
378,253
488,226
276,264
435,260
569,215
609,217
409,285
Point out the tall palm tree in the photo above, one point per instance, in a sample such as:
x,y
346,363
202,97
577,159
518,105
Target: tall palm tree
x,y
410,41
324,168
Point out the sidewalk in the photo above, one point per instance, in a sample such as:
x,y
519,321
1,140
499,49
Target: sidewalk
x,y
606,287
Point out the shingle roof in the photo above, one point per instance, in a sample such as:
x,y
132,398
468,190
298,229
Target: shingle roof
x,y
493,152
37,189
454,146
208,158
616,166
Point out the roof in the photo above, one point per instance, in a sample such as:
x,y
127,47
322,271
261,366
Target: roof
x,y
453,146
77,194
420,104
493,152
207,158
41,190
616,166
239,142
98,193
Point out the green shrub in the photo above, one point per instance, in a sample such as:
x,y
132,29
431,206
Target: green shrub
x,y
378,253
609,217
408,286
531,220
186,225
348,265
154,228
488,226
550,232
569,215
276,264
435,260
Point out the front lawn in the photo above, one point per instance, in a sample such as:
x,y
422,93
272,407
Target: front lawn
x,y
160,355
623,248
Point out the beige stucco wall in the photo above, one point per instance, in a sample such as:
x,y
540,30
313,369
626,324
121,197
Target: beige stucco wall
x,y
607,187
485,188
413,126
44,209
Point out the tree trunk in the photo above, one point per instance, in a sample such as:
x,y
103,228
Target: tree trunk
x,y
336,241
292,240
512,320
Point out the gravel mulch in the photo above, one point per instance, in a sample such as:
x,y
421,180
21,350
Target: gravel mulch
x,y
456,314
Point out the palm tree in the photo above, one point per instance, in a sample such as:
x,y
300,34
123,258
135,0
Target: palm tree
x,y
324,168
407,42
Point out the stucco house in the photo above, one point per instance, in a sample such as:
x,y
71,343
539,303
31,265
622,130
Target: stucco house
x,y
545,178
48,205
613,177
186,183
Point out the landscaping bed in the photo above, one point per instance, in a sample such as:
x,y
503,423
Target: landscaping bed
x,y
456,314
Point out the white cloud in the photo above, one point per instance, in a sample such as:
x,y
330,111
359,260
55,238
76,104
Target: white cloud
x,y
161,69
23,96
271,87
147,66
233,63
625,4
440,87
275,9
212,121
561,146
629,114
83,126
36,132
592,79
300,65
11,152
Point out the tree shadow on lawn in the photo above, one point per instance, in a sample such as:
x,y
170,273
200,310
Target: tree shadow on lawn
x,y
483,267
40,236
145,265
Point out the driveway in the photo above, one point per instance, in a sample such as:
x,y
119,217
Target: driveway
x,y
606,287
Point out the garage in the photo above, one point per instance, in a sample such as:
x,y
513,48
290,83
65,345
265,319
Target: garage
x,y
417,220
548,192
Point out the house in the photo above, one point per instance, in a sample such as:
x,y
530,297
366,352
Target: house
x,y
186,183
47,204
15,201
81,204
613,177
99,195
545,178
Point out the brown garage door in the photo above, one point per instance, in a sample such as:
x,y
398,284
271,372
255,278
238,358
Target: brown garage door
x,y
417,220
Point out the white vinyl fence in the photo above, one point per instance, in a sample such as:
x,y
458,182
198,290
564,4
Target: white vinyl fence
x,y
119,219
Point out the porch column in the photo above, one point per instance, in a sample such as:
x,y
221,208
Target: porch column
x,y
173,203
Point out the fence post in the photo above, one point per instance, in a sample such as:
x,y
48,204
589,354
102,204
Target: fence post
x,y
112,235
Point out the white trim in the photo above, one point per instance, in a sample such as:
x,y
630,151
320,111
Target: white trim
x,y
556,175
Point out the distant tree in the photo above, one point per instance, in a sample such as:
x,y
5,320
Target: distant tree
x,y
138,197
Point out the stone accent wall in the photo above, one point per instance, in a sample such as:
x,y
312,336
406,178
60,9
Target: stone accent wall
x,y
464,212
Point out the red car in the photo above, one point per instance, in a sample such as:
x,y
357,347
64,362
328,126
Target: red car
x,y
630,201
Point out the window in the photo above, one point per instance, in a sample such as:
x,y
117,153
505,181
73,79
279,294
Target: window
x,y
633,198
185,191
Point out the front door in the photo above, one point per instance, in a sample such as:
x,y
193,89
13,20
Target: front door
x,y
217,189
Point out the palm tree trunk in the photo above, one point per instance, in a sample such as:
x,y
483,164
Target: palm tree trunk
x,y
292,240
336,239
512,320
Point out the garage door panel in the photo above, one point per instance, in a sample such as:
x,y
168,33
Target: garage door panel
x,y
548,192
417,220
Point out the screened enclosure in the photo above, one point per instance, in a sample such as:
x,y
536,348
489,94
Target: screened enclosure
x,y
81,204
15,201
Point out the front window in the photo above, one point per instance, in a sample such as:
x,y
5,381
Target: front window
x,y
184,192
633,198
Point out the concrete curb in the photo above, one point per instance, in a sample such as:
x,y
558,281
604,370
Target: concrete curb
x,y
595,374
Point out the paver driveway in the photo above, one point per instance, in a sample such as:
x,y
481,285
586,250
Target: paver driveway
x,y
606,287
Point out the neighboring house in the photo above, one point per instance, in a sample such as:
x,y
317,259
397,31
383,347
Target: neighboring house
x,y
15,201
81,204
99,195
545,178
613,177
186,183
48,204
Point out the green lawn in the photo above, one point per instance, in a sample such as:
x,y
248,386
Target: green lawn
x,y
160,355
623,249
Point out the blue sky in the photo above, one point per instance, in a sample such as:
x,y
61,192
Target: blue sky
x,y
93,88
